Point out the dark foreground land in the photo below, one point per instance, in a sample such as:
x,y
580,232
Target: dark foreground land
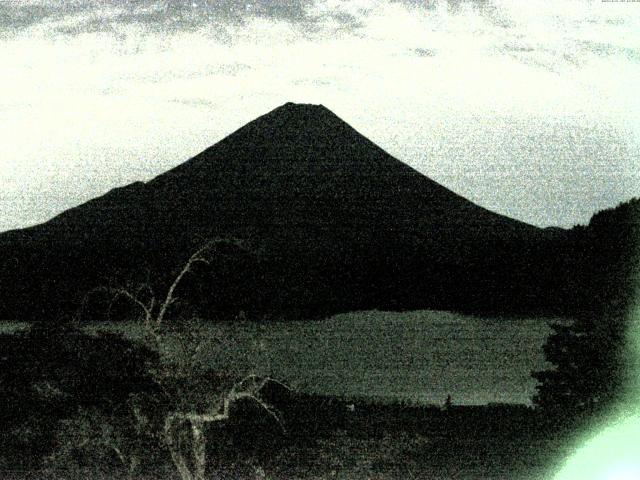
x,y
369,441
331,438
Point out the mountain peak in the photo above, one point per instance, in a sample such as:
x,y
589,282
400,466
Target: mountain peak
x,y
292,130
303,111
299,105
292,106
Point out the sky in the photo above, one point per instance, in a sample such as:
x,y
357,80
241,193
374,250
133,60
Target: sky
x,y
530,109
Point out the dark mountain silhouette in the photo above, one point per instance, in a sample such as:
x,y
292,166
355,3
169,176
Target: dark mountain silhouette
x,y
332,223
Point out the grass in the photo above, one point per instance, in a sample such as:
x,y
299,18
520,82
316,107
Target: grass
x,y
327,440
392,441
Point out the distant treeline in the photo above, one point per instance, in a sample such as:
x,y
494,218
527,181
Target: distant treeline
x,y
592,366
549,272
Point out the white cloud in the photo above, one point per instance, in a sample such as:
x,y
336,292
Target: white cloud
x,y
540,91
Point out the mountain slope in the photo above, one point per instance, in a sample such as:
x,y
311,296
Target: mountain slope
x,y
332,221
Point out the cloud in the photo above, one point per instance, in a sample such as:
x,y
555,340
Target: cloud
x,y
18,15
111,92
54,17
424,52
541,33
196,102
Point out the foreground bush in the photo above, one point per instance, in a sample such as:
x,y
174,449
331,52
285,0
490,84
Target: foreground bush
x,y
50,373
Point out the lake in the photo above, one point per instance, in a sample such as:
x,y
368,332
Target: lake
x,y
420,356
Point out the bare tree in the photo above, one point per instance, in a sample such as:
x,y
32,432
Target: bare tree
x,y
193,406
154,311
193,467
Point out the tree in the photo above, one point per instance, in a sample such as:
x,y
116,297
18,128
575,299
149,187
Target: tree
x,y
589,353
51,371
588,356
193,395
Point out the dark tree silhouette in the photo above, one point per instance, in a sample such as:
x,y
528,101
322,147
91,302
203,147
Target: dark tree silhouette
x,y
588,354
589,367
49,372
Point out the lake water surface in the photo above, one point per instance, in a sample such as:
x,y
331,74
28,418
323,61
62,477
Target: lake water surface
x,y
420,356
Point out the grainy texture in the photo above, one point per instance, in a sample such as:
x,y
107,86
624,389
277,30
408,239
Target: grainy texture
x,y
354,277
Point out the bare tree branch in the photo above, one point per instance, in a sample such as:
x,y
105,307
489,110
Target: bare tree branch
x,y
247,389
169,299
